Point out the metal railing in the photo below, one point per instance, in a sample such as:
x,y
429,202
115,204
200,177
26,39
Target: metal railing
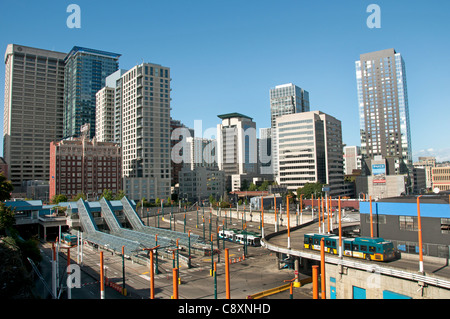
x,y
366,266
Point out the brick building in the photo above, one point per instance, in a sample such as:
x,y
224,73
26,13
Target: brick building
x,y
84,166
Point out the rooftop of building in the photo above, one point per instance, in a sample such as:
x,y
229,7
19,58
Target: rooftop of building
x,y
77,49
233,115
425,199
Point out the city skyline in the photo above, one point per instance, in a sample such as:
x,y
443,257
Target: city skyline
x,y
231,53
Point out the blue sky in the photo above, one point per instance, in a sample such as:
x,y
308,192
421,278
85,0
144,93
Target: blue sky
x,y
226,55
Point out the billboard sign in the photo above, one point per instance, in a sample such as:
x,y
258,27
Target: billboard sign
x,y
379,173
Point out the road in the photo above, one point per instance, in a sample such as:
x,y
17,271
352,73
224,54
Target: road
x,y
258,272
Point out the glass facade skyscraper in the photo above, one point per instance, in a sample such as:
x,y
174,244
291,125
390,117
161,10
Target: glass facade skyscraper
x,y
85,74
285,99
383,105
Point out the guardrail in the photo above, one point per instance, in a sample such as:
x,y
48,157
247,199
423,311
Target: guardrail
x,y
366,266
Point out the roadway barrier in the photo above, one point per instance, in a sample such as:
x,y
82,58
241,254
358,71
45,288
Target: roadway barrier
x,y
237,259
115,286
279,289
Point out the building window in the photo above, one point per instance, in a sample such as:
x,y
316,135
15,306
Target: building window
x,y
408,223
376,219
445,225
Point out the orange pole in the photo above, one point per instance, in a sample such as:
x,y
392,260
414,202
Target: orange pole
x,y
152,278
340,228
322,268
288,222
318,212
175,283
419,225
301,203
227,273
322,212
262,216
329,214
315,276
371,220
102,283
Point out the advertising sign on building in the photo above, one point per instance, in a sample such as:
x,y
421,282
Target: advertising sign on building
x,y
379,173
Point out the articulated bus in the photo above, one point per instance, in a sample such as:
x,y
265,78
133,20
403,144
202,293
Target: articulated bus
x,y
253,239
368,248
237,236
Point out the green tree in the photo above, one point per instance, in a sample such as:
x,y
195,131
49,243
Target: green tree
x,y
78,196
7,219
310,189
58,198
107,194
264,186
6,188
121,194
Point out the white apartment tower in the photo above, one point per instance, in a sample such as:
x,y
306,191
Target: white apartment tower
x,y
104,114
106,123
310,150
33,111
143,109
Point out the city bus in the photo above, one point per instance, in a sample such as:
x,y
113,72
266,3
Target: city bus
x,y
376,249
69,239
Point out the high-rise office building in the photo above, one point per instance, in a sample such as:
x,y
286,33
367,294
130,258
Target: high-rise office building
x,y
33,110
265,151
85,74
178,144
383,105
352,159
285,99
427,163
236,144
143,101
201,153
310,150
